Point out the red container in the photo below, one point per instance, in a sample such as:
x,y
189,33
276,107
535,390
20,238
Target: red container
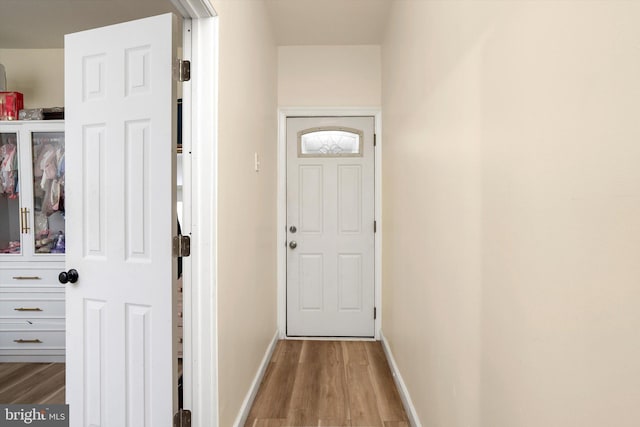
x,y
10,104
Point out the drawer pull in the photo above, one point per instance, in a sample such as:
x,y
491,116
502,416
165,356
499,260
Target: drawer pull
x,y
28,309
26,278
24,221
21,341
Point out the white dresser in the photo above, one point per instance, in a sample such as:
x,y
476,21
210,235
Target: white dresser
x,y
32,241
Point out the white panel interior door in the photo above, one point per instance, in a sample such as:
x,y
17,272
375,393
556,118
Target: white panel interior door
x,y
120,101
330,226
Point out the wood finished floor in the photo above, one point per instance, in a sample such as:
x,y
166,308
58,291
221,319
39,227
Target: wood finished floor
x,y
327,383
35,383
32,383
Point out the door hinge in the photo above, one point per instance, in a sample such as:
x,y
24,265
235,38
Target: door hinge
x,y
375,226
374,140
183,70
182,418
375,313
181,246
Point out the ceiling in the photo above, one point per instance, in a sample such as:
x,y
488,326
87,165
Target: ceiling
x,y
26,24
328,22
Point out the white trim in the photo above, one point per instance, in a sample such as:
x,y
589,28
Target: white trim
x,y
349,339
204,145
194,9
186,225
402,388
200,100
281,217
283,113
241,419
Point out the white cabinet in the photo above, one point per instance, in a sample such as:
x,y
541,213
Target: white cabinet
x,y
32,241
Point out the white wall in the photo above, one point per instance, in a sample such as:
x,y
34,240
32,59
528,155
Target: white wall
x,y
512,210
431,207
37,73
329,76
246,243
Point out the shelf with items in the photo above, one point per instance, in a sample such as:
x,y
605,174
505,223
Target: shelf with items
x,y
32,231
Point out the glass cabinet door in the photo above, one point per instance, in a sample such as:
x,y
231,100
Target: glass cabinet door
x,y
47,150
11,216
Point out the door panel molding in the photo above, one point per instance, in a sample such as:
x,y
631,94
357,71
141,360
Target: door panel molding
x,y
113,340
200,105
283,113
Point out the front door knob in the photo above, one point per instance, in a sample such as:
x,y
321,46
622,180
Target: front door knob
x,y
293,244
70,276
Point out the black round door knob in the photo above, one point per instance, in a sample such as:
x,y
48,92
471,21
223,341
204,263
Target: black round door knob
x,y
70,276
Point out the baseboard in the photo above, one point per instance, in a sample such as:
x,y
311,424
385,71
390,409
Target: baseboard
x,y
241,419
402,388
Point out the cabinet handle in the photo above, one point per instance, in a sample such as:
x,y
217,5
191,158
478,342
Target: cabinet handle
x,y
24,220
28,309
21,341
26,278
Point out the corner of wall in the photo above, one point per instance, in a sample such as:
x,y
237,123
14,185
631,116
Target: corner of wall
x,y
400,384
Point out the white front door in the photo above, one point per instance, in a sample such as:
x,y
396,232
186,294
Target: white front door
x,y
330,226
120,102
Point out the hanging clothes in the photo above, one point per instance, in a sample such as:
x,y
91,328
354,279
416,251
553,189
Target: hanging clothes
x,y
9,170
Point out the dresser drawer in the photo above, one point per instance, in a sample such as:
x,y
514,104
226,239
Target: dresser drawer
x,y
31,340
35,324
31,307
31,292
30,276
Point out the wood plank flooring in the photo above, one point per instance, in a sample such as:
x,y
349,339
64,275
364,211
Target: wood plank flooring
x,y
33,383
307,383
327,383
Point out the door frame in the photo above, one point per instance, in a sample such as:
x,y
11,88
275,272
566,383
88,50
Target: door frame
x,y
199,148
283,113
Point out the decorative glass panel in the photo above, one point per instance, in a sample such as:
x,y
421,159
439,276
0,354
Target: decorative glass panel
x,y
330,142
48,191
10,219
